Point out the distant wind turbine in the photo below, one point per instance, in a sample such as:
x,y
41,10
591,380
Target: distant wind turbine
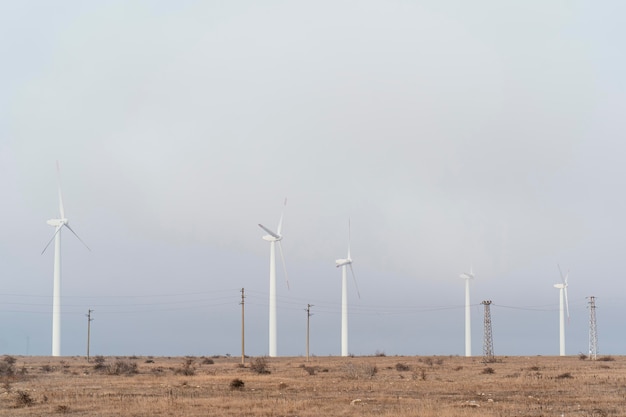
x,y
562,287
58,224
344,264
273,238
468,326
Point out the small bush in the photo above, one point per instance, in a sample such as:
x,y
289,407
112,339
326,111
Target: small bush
x,y
63,409
149,361
380,353
565,375
23,399
187,368
488,370
6,366
47,368
309,369
99,363
421,375
208,361
402,367
121,367
582,356
608,358
362,371
236,384
259,365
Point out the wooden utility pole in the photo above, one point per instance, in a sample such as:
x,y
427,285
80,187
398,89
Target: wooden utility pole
x,y
243,344
89,320
308,317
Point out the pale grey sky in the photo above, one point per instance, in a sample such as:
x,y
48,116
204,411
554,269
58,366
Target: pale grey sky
x,y
451,133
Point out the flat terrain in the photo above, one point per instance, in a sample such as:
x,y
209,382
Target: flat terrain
x,y
396,386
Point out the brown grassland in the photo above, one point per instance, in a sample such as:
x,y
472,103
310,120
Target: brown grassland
x,y
399,386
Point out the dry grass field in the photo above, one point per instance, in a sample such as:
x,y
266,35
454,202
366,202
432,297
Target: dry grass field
x,y
442,386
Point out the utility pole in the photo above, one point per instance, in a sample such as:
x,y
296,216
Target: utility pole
x,y
593,330
243,340
89,320
308,317
488,337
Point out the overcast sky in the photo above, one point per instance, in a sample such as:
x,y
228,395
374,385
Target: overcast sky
x,y
451,133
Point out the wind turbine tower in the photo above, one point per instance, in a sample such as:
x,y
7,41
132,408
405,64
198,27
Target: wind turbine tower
x,y
562,287
344,264
58,224
468,326
273,238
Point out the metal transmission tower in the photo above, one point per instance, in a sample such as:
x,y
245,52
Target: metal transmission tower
x,y
593,330
488,339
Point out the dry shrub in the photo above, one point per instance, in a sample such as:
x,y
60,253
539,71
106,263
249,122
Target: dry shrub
x,y
259,365
23,399
402,367
63,409
208,361
582,356
488,370
362,371
6,366
564,375
187,368
309,369
236,384
99,363
608,358
121,367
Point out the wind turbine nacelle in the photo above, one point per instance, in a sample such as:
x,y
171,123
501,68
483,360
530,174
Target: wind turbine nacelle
x,y
271,238
56,222
342,262
467,276
559,286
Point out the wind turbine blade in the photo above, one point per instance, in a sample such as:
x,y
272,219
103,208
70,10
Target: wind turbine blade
x,y
280,222
269,232
349,237
282,257
561,272
53,236
78,237
355,284
61,210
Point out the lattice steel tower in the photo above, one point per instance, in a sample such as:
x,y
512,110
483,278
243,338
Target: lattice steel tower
x,y
488,339
593,330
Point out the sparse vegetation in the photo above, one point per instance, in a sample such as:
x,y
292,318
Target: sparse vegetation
x,y
364,386
608,358
488,370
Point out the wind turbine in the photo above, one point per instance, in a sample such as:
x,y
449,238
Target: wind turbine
x,y
344,264
562,287
273,238
58,224
468,327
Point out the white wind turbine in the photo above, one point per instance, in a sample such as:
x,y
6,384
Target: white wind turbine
x,y
344,264
56,297
468,326
274,238
562,287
